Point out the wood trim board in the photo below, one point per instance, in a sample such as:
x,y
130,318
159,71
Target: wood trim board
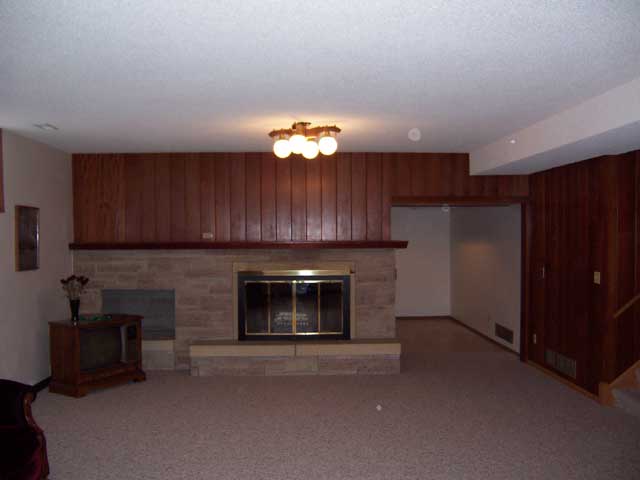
x,y
236,245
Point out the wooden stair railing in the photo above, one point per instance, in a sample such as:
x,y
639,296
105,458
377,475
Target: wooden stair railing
x,y
626,306
628,377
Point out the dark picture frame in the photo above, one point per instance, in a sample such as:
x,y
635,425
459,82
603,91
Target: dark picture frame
x,y
27,238
1,177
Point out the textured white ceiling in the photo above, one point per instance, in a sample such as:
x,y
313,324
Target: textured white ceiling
x,y
202,75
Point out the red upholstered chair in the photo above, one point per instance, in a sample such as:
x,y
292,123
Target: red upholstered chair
x,y
23,449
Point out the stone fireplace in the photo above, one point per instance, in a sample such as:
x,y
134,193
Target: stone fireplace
x,y
206,286
294,305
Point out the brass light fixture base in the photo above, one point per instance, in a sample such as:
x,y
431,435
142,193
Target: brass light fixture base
x,y
303,129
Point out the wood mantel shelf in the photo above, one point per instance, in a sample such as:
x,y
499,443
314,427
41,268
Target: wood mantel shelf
x,y
238,245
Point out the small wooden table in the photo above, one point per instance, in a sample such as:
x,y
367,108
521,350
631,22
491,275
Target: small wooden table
x,y
93,355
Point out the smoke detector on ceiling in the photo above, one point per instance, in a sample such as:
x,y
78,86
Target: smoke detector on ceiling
x,y
415,134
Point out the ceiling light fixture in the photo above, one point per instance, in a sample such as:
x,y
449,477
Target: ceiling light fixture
x,y
310,149
45,126
305,140
328,143
282,147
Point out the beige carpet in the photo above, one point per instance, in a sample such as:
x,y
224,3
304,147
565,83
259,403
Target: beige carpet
x,y
466,410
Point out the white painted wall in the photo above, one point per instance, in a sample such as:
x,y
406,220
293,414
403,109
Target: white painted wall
x,y
485,269
38,176
423,284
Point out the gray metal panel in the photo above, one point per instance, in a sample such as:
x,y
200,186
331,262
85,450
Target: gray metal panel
x,y
158,307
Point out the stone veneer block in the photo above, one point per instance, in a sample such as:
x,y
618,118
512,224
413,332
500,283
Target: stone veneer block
x,y
205,367
292,366
157,345
158,355
348,349
359,365
242,350
155,360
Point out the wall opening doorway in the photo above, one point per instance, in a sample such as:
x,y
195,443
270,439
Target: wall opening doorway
x,y
462,274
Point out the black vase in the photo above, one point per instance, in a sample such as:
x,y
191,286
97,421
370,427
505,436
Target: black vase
x,y
75,308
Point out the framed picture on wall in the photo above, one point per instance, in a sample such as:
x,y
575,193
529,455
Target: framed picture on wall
x,y
27,238
1,178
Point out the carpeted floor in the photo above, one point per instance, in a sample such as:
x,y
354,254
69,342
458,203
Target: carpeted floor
x,y
463,408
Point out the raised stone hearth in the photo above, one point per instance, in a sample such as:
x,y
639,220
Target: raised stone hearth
x,y
204,286
265,358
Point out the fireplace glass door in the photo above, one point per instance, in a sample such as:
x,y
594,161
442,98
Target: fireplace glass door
x,y
288,306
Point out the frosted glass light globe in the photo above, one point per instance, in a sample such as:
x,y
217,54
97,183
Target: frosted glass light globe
x,y
297,142
328,145
310,149
282,148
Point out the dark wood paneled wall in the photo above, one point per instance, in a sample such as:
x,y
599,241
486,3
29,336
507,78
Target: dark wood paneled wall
x,y
258,197
584,219
627,327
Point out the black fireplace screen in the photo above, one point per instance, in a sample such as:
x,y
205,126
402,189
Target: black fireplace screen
x,y
294,305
